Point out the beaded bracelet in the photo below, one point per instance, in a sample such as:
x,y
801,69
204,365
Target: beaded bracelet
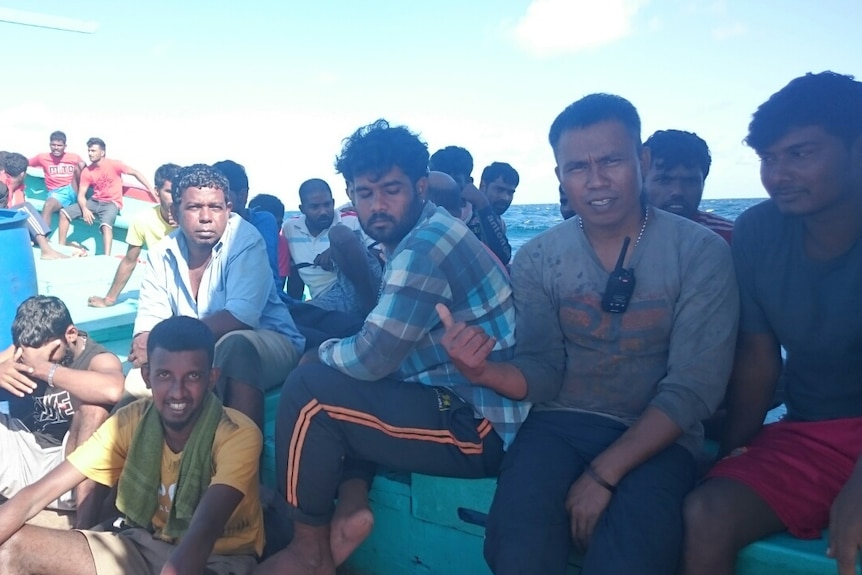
x,y
599,479
51,372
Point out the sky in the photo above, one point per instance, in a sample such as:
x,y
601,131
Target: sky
x,y
277,86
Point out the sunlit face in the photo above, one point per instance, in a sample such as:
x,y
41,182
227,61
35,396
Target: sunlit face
x,y
809,170
166,200
677,190
319,209
499,194
601,170
202,215
58,148
179,381
95,153
388,206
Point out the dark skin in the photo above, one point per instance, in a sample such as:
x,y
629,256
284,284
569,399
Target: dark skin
x,y
817,177
27,549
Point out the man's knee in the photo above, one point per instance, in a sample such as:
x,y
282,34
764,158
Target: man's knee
x,y
707,517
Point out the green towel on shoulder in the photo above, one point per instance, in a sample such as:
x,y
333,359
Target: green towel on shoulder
x,y
138,488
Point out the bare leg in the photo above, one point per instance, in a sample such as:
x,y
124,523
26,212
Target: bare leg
x,y
353,519
40,550
48,251
107,238
62,229
721,517
51,206
246,398
89,495
307,554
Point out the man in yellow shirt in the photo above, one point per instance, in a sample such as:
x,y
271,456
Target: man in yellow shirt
x,y
187,476
146,230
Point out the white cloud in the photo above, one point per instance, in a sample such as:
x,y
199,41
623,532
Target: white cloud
x,y
552,27
729,31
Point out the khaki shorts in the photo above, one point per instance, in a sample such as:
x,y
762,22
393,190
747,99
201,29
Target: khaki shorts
x,y
136,552
260,358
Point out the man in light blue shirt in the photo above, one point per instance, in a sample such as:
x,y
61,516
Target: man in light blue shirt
x,y
214,267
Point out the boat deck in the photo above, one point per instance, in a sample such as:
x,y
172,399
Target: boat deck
x,y
423,525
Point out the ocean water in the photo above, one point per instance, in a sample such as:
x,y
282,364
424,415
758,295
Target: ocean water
x,y
526,220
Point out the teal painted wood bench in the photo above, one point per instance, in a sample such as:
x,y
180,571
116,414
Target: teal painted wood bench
x,y
418,529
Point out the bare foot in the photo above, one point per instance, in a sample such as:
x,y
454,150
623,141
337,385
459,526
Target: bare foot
x,y
52,254
97,301
307,554
352,521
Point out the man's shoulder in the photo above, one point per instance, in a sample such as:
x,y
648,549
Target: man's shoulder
x,y
714,221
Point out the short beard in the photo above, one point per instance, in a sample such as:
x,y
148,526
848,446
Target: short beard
x,y
401,228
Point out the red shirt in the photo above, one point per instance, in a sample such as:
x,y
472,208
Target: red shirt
x,y
106,177
58,171
721,226
16,195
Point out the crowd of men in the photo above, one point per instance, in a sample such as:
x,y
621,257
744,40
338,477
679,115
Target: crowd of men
x,y
579,372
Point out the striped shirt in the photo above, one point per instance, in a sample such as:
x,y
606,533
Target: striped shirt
x,y
721,226
439,261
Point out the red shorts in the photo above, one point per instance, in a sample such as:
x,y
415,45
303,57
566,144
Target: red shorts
x,y
798,468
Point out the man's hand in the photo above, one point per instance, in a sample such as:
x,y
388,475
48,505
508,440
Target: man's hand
x,y
16,377
473,195
585,503
98,301
845,525
467,346
138,352
324,260
87,215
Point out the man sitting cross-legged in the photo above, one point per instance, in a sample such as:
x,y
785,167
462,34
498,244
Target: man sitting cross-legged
x,y
61,386
186,471
390,395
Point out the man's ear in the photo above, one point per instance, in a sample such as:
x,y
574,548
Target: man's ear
x,y
215,373
71,335
422,187
175,210
145,374
646,160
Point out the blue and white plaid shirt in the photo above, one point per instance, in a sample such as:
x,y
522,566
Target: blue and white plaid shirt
x,y
439,261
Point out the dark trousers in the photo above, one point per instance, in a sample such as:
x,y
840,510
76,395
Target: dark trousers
x,y
326,417
528,527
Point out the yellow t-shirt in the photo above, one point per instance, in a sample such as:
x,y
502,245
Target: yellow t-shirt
x,y
147,229
236,454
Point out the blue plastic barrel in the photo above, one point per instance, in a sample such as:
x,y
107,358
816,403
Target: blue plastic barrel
x,y
17,270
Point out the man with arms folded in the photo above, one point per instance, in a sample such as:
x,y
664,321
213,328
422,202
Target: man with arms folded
x,y
390,395
679,166
186,471
799,263
147,229
215,268
61,386
620,377
106,177
62,170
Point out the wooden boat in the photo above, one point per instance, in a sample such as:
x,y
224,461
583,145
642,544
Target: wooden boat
x,y
423,525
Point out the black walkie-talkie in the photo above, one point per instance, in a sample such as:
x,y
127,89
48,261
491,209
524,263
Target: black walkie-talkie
x,y
621,284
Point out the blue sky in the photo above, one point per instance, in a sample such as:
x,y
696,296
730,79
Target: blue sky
x,y
276,86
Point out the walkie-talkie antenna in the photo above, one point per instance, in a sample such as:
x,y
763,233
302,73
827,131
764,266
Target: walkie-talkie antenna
x,y
623,251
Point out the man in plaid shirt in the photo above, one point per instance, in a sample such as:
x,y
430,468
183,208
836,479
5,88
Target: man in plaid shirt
x,y
390,395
